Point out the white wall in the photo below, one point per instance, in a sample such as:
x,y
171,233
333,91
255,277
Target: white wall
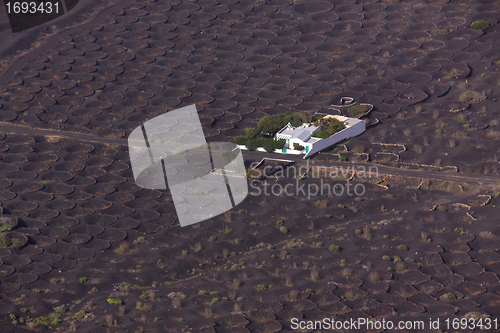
x,y
277,151
346,133
299,142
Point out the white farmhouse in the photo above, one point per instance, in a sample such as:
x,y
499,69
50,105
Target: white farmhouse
x,y
303,135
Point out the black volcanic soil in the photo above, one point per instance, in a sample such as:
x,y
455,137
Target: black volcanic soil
x,y
407,247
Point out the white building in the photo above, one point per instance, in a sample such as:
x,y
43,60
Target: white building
x,y
303,135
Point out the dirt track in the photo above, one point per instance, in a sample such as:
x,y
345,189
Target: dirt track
x,y
256,156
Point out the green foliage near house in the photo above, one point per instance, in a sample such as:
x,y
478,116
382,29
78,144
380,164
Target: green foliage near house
x,y
296,146
267,143
272,124
357,110
321,134
479,25
252,133
251,145
329,126
240,140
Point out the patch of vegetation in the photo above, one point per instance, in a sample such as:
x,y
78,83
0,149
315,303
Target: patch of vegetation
x,y
402,248
272,124
448,297
471,97
267,143
140,240
261,287
453,74
114,301
7,222
440,31
334,248
357,110
328,126
441,208
479,25
296,146
52,319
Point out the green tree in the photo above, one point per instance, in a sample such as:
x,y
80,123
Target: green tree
x,y
252,133
240,140
251,145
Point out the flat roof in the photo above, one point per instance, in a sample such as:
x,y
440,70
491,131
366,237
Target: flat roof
x,y
302,132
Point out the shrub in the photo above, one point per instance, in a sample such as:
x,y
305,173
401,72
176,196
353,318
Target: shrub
x,y
492,134
402,247
480,25
334,248
296,146
333,126
272,124
442,208
357,110
321,134
268,146
261,287
82,279
386,258
114,301
470,97
240,140
448,297
212,239
140,240
252,133
122,249
251,145
284,230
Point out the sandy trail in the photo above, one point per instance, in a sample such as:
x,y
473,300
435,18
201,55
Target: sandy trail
x,y
256,156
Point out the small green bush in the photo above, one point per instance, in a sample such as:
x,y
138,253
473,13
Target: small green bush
x,y
251,145
442,208
284,230
402,247
479,25
240,140
357,110
114,301
261,287
140,240
334,248
321,134
448,297
296,146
